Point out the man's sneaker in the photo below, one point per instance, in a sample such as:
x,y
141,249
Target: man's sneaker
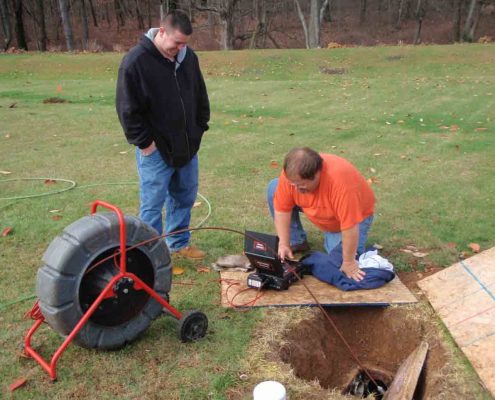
x,y
192,252
300,247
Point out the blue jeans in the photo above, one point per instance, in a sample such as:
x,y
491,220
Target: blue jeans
x,y
176,188
298,234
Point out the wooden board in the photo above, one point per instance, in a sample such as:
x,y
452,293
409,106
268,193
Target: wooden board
x,y
234,290
406,379
463,295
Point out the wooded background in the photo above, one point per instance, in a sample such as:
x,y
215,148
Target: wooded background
x,y
100,25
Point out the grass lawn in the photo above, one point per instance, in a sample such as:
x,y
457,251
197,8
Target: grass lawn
x,y
418,122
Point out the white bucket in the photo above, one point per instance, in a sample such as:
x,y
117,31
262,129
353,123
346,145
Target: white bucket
x,y
269,390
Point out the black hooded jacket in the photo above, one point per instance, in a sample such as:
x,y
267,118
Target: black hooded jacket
x,y
157,102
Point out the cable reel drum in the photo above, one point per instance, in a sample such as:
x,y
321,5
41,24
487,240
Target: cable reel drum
x,y
89,294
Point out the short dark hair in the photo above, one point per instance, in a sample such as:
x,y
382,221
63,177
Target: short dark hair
x,y
303,162
178,20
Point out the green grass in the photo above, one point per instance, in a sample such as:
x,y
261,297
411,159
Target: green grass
x,y
435,185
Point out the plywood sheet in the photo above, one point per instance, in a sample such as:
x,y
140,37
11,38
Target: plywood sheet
x,y
406,378
463,295
236,293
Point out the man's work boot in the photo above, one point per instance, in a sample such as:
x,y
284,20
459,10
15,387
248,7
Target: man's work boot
x,y
192,252
300,247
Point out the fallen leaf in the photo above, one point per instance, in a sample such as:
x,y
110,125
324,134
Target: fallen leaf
x,y
475,247
454,128
58,89
56,217
481,129
373,180
6,231
378,246
444,127
197,204
451,245
17,384
5,172
202,268
124,152
406,251
177,271
377,154
7,136
419,254
274,164
373,171
54,211
50,182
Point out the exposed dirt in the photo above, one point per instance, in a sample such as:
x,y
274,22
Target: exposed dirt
x,y
381,338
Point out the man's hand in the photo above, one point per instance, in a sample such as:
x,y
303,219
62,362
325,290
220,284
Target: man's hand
x,y
148,150
352,270
284,252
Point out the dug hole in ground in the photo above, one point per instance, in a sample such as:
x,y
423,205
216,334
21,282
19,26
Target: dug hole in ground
x,y
300,348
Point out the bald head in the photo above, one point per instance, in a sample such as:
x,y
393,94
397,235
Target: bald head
x,y
302,162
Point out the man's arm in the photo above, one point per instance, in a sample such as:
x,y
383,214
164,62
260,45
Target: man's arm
x,y
128,104
282,226
203,102
350,240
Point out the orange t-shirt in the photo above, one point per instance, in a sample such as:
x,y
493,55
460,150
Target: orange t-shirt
x,y
342,199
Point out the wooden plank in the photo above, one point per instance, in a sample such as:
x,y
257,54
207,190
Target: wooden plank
x,y
406,378
463,295
234,289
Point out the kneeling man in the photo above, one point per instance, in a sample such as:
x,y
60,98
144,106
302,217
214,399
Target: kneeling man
x,y
332,194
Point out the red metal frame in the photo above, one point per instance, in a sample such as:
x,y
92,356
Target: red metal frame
x,y
51,367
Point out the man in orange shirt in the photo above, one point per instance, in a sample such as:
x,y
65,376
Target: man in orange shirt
x,y
332,194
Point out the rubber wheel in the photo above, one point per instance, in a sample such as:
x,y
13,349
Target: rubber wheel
x,y
192,326
67,286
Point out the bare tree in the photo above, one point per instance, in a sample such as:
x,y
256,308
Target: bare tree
x,y
261,27
6,29
93,14
226,10
42,36
456,24
312,28
420,14
471,21
362,12
19,25
85,27
66,22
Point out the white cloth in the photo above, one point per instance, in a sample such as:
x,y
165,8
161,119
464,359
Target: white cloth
x,y
371,259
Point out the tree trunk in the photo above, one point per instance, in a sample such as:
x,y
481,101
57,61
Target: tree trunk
x,y
19,26
261,26
400,13
85,28
148,4
303,22
6,29
93,14
467,33
66,22
163,9
362,12
314,25
312,31
139,16
119,13
42,37
456,24
420,13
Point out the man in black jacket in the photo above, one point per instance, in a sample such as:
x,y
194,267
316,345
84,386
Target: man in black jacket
x,y
164,110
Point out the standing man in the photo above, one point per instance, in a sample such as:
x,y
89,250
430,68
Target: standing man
x,y
332,194
164,110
